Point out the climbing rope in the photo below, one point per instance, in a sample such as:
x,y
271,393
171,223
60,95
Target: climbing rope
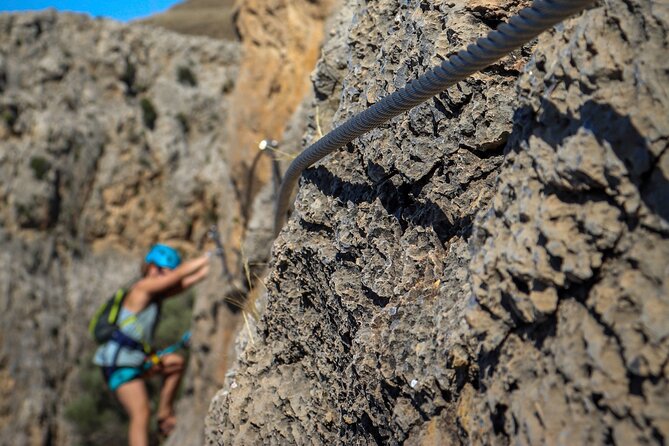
x,y
268,147
214,235
520,29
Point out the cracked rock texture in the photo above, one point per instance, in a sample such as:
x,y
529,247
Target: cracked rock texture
x,y
489,268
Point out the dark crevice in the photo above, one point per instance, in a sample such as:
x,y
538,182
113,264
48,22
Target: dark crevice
x,y
492,150
452,37
485,308
489,20
446,394
635,384
538,333
596,398
658,436
487,362
440,106
293,354
498,419
418,399
306,301
378,300
55,202
49,435
367,425
401,201
450,108
606,125
521,285
393,392
316,227
501,70
509,305
555,261
435,125
346,338
347,256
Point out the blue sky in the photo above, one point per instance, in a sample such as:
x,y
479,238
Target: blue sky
x,y
122,10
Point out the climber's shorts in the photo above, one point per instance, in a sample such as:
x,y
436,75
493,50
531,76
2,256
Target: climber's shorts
x,y
116,376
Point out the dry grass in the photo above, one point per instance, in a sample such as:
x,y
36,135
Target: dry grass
x,y
211,18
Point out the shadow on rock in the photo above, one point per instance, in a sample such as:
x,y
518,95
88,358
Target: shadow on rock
x,y
402,202
606,125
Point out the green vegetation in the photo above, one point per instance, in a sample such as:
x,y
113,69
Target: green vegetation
x,y
186,77
145,161
10,115
175,319
98,418
40,167
183,123
227,86
149,113
128,77
24,216
210,216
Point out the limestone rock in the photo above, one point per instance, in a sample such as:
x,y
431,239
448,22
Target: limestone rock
x,y
104,149
489,268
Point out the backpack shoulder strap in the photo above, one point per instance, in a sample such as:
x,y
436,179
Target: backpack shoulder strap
x,y
118,301
116,306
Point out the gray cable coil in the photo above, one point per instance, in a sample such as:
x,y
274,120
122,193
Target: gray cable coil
x,y
520,29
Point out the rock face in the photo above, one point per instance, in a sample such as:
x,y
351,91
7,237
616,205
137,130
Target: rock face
x,y
491,267
570,272
281,42
112,137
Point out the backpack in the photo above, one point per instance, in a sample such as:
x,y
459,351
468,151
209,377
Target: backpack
x,y
103,324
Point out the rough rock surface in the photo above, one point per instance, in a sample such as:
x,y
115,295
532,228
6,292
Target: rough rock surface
x,y
570,272
281,42
491,267
112,137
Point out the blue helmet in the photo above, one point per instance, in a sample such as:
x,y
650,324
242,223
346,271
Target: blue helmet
x,y
163,256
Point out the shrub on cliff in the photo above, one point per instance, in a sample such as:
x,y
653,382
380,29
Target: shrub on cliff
x,y
186,77
149,113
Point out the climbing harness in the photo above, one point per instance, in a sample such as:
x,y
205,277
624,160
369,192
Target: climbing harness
x,y
104,327
116,376
182,343
520,29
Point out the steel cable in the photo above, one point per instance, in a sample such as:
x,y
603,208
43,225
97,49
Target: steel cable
x,y
520,29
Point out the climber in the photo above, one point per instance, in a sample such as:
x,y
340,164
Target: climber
x,y
126,359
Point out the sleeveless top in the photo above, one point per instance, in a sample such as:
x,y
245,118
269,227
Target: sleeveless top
x,y
141,329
